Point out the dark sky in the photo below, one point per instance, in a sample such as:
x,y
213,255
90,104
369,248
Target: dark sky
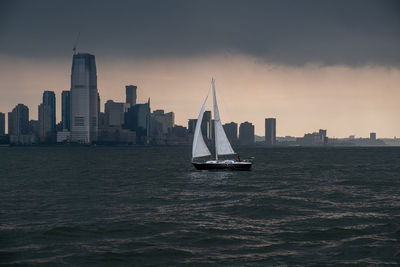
x,y
282,32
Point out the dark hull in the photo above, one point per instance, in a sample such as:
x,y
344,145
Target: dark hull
x,y
222,166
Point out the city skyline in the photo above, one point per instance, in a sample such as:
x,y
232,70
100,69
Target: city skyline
x,y
342,74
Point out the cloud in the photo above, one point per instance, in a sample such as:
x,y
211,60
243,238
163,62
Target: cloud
x,y
295,33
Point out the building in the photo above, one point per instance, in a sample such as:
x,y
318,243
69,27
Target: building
x,y
137,119
114,113
131,94
66,110
231,130
49,99
161,124
63,136
313,139
84,99
323,136
45,127
34,128
270,131
191,126
372,136
47,118
18,120
206,127
246,133
2,124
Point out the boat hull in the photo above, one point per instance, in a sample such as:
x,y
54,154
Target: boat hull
x,y
233,166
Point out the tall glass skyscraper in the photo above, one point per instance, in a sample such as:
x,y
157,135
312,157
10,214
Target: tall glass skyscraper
x,y
66,110
131,94
84,99
47,117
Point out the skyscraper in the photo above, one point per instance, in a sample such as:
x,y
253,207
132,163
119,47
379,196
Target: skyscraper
x,y
66,110
270,131
47,117
231,132
18,120
246,133
131,94
49,99
84,99
2,124
191,126
137,119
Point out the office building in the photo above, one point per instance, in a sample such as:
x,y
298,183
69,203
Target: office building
x,y
2,124
49,99
191,126
270,131
131,94
66,110
114,113
246,133
161,124
18,120
323,136
231,130
47,118
84,99
372,136
137,119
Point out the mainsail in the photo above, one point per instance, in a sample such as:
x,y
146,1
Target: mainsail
x,y
199,148
222,145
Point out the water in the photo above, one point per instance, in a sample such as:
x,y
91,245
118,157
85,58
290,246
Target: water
x,y
123,206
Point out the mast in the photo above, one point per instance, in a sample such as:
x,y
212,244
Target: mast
x,y
215,121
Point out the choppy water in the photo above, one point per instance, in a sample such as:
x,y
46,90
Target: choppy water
x,y
148,206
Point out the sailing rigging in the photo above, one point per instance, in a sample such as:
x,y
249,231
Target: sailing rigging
x,y
221,142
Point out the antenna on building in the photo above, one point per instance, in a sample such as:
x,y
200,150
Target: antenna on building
x,y
76,43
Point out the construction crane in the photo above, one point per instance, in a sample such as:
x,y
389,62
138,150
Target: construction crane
x,y
76,43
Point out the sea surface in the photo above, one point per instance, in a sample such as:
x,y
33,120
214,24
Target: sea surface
x,y
133,206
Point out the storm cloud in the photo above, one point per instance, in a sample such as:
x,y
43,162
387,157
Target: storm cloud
x,y
295,33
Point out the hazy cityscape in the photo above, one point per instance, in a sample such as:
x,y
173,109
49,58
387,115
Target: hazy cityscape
x,y
131,123
114,154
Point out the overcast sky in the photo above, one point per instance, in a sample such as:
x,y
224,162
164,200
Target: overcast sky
x,y
157,41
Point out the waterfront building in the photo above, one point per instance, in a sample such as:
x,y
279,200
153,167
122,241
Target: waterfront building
x,y
323,136
66,110
231,131
191,126
2,124
114,113
84,99
131,94
137,119
34,128
18,120
270,131
246,133
47,117
372,136
161,124
63,136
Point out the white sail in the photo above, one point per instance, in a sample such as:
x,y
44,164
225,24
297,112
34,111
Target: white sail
x,y
222,145
199,148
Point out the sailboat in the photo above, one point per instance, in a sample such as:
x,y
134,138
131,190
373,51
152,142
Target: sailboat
x,y
222,144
